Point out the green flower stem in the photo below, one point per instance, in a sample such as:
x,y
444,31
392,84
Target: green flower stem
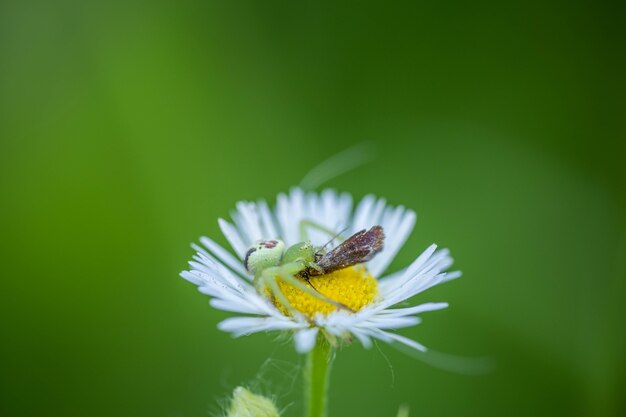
x,y
316,375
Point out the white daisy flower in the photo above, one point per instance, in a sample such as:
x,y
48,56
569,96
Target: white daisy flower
x,y
368,294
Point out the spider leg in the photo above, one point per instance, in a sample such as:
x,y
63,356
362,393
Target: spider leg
x,y
285,275
316,267
308,224
269,279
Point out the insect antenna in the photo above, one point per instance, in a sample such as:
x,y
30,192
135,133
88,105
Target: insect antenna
x,y
332,239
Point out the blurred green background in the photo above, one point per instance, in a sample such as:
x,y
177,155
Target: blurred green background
x,y
128,127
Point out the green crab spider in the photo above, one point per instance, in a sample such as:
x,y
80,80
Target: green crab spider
x,y
269,262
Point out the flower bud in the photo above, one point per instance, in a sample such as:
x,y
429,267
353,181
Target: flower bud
x,y
248,404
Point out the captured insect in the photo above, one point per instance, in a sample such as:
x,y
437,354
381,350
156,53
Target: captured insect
x,y
268,261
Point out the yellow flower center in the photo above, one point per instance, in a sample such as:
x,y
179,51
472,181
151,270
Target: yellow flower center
x,y
353,287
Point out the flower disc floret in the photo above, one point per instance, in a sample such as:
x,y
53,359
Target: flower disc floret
x,y
353,287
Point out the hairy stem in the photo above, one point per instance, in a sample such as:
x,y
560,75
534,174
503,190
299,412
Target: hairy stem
x,y
316,375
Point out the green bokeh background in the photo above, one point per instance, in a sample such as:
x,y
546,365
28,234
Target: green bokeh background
x,y
127,128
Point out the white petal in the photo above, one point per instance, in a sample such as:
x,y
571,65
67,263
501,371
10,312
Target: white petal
x,y
218,271
393,322
420,261
267,221
415,285
398,226
305,339
438,279
216,289
243,308
390,280
290,212
387,337
409,342
365,340
240,326
343,210
314,214
248,222
414,310
377,212
193,278
451,275
330,205
414,270
439,260
361,216
225,256
233,237
422,274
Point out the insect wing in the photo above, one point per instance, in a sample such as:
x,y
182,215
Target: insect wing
x,y
358,248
